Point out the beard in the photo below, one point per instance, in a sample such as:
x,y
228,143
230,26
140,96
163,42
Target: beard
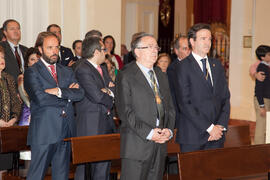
x,y
50,59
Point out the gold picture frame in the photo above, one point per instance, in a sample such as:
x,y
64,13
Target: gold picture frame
x,y
247,41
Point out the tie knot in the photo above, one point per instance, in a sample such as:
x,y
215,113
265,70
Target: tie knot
x,y
52,67
15,47
150,72
203,60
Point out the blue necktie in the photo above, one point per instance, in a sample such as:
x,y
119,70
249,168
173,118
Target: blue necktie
x,y
206,73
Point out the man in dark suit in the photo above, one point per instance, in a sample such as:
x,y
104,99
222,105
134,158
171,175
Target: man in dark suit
x,y
52,89
94,111
202,95
146,111
65,54
181,50
77,48
14,52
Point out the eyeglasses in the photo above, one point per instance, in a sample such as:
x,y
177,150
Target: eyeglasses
x,y
150,47
104,49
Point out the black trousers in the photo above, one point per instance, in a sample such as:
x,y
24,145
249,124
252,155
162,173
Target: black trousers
x,y
150,169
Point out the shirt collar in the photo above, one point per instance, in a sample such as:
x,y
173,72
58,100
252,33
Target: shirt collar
x,y
94,64
12,45
266,63
198,57
47,64
143,68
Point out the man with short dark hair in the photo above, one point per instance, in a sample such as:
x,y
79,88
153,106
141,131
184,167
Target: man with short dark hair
x,y
65,54
14,52
52,89
202,95
146,111
93,33
77,48
94,111
181,49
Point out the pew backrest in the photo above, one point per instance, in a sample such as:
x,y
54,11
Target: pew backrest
x,y
224,163
13,139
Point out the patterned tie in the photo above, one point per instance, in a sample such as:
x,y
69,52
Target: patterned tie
x,y
100,70
54,75
18,58
205,72
160,108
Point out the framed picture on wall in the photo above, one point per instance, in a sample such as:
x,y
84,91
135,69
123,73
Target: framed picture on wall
x,y
247,41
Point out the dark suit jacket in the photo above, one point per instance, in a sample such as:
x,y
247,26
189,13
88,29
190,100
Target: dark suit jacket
x,y
66,55
92,112
200,105
171,72
12,66
128,58
48,123
136,106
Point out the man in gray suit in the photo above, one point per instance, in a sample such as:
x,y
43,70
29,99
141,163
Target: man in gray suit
x,y
145,107
14,52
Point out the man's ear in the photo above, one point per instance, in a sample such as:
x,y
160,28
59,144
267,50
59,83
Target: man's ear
x,y
191,40
5,33
136,51
40,49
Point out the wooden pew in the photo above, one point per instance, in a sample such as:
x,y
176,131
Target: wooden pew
x,y
225,163
84,149
237,135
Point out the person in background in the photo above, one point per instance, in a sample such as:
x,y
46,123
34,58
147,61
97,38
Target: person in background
x,y
65,54
31,57
77,48
10,107
163,61
253,71
111,67
2,35
124,51
109,44
14,52
262,93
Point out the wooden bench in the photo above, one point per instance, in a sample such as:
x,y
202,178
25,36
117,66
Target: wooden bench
x,y
84,149
225,163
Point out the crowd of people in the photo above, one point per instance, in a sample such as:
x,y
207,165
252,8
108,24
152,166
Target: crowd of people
x,y
60,94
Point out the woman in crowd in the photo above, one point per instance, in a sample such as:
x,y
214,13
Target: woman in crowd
x,y
10,106
163,61
111,67
31,57
109,44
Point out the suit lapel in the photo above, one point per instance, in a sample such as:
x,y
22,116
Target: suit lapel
x,y
45,72
60,74
213,72
198,71
95,71
142,79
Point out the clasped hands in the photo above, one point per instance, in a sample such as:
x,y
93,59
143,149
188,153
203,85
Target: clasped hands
x,y
11,122
216,133
54,91
161,135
